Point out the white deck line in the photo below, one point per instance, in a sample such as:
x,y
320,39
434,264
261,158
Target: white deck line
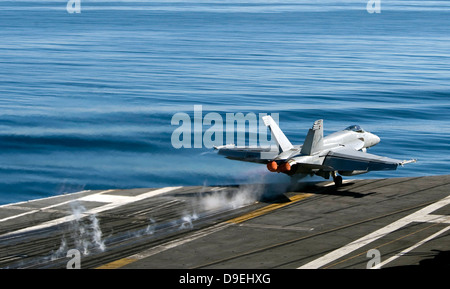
x,y
419,216
117,202
411,248
45,208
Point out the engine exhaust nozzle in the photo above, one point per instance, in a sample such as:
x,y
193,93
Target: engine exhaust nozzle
x,y
272,166
284,167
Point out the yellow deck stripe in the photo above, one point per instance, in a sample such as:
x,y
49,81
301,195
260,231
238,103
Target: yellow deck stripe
x,y
267,209
117,264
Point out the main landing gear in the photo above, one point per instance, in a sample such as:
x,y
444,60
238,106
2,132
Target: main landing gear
x,y
337,179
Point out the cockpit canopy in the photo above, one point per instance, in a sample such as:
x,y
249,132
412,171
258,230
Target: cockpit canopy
x,y
355,128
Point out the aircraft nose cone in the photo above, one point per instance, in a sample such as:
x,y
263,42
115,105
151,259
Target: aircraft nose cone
x,y
375,139
378,139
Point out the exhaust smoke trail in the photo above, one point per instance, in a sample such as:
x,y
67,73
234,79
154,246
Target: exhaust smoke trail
x,y
230,199
85,233
225,199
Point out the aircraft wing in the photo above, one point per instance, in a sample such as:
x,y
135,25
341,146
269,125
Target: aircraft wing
x,y
349,159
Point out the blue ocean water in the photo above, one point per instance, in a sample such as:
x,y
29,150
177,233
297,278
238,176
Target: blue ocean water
x,y
86,99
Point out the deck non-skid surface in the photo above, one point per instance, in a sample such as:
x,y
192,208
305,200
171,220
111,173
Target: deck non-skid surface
x,y
375,222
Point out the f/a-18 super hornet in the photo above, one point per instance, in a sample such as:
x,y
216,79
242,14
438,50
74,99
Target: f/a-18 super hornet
x,y
340,153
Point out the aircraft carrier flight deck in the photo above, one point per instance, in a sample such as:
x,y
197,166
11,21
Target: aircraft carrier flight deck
x,y
370,223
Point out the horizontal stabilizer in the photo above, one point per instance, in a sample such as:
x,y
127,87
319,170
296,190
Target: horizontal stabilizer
x,y
247,154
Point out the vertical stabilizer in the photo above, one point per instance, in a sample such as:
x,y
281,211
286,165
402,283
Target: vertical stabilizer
x,y
277,134
314,140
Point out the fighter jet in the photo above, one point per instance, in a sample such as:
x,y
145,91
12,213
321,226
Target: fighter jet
x,y
340,153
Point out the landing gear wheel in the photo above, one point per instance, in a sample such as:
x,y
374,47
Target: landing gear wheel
x,y
338,181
